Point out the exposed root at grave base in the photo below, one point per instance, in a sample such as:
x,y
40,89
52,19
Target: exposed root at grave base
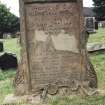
x,y
84,89
42,97
80,88
87,92
38,100
49,91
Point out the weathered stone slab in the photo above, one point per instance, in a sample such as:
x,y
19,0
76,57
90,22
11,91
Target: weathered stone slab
x,y
54,55
92,47
14,100
56,50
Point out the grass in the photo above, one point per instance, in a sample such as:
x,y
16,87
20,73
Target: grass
x,y
12,46
98,60
6,87
98,37
7,74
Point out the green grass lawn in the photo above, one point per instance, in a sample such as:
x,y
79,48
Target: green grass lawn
x,y
98,60
6,83
98,37
12,46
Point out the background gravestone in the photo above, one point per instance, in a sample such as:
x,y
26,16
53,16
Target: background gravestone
x,y
54,55
1,46
8,61
91,24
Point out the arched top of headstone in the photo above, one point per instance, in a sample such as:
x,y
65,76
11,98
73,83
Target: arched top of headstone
x,y
32,1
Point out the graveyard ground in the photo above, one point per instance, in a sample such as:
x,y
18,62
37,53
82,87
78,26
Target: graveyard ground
x,y
98,60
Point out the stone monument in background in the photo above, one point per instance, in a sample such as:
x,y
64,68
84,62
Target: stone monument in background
x,y
54,56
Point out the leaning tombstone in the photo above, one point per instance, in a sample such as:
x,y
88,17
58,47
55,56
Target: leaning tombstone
x,y
1,46
54,56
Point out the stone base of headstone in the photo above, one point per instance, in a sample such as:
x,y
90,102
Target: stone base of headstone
x,y
24,100
11,99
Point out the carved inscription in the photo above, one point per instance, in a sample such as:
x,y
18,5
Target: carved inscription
x,y
52,18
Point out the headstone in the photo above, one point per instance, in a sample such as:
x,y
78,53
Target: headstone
x,y
96,25
1,35
7,35
90,24
102,24
8,61
1,46
54,56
